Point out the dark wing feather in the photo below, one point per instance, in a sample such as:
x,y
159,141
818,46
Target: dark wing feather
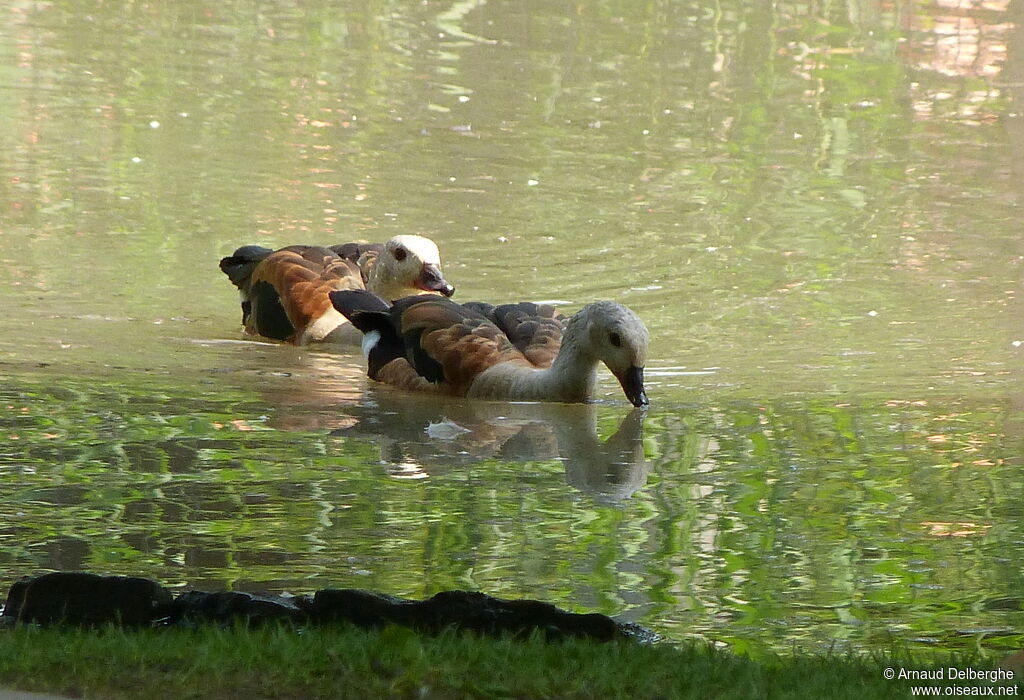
x,y
239,265
362,255
535,329
446,342
357,301
353,251
482,308
421,360
263,314
368,312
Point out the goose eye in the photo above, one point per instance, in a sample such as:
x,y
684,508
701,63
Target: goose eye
x,y
400,254
615,339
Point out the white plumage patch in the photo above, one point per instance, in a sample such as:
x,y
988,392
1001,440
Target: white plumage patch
x,y
370,341
322,327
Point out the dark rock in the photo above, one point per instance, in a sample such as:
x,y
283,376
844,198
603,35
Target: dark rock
x,y
463,610
362,608
478,612
90,599
79,598
225,607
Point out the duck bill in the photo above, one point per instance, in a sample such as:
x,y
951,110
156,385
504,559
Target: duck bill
x,y
632,381
431,280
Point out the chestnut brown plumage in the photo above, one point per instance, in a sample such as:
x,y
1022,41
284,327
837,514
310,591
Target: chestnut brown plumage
x,y
284,293
434,344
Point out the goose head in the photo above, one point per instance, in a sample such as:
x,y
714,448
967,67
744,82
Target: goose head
x,y
410,264
615,335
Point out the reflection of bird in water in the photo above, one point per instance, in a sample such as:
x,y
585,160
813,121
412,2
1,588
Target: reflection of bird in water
x,y
285,292
616,469
435,345
419,436
306,390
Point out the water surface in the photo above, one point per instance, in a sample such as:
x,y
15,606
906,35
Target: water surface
x,y
816,210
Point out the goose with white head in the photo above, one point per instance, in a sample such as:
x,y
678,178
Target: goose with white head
x,y
284,293
406,265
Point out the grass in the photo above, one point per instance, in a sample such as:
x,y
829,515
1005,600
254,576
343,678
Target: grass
x,y
276,662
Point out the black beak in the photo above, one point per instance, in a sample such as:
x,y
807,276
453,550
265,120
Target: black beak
x,y
431,280
632,381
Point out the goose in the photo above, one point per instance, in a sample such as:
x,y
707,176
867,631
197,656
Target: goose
x,y
434,344
284,292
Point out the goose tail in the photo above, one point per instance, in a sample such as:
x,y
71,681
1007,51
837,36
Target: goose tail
x,y
240,265
370,314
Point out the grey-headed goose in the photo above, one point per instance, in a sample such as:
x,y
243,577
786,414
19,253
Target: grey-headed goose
x,y
285,292
434,344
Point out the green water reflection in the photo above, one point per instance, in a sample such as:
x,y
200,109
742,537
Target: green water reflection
x,y
763,525
814,206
